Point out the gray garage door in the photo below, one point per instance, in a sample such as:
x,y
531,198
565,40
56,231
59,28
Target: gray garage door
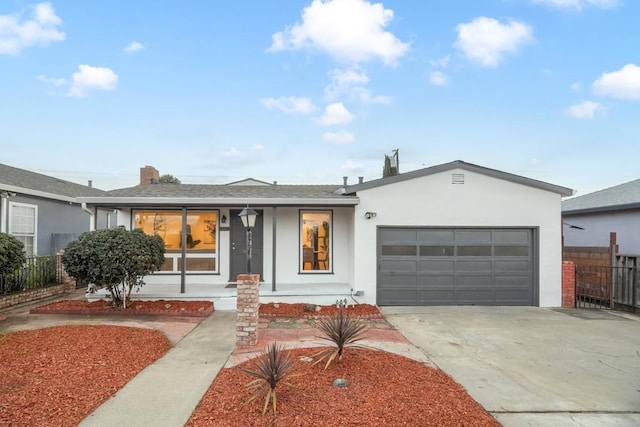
x,y
429,266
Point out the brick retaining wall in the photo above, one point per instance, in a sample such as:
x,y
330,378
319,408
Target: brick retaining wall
x,y
32,295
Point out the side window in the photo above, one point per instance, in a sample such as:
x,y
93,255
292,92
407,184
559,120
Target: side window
x,y
315,241
23,220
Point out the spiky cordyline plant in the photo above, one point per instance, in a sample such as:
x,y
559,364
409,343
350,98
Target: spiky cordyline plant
x,y
269,369
343,330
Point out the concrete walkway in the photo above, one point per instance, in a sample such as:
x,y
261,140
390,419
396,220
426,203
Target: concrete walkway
x,y
167,392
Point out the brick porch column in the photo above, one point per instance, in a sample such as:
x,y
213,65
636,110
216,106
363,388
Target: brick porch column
x,y
568,284
247,310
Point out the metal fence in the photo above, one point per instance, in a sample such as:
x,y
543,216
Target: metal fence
x,y
608,287
37,272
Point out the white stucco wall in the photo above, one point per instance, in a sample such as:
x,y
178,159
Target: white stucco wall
x,y
597,226
481,201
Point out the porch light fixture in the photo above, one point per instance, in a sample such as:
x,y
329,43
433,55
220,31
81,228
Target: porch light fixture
x,y
223,220
248,217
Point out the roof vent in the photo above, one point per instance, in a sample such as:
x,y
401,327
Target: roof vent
x,y
457,178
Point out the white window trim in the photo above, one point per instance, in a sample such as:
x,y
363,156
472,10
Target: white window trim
x,y
4,212
35,226
300,249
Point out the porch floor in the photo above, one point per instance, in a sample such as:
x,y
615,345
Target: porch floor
x,y
224,298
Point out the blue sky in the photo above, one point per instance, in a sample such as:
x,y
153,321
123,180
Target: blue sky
x,y
310,91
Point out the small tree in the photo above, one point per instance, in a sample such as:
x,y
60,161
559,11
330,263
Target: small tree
x,y
116,258
12,254
168,179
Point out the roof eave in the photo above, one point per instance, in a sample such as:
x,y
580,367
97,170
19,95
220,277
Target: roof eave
x,y
459,164
38,193
217,201
625,207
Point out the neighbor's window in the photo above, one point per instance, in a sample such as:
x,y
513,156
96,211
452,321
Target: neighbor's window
x,y
22,225
315,240
201,236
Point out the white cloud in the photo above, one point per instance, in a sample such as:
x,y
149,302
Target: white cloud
x,y
233,156
486,40
576,86
41,29
438,78
351,83
352,166
584,110
51,80
348,30
89,77
336,114
290,105
578,4
340,137
622,84
133,47
440,62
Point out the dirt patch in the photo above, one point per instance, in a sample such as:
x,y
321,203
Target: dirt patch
x,y
146,308
59,375
311,310
382,389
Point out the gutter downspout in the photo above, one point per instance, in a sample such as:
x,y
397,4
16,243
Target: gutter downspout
x,y
92,223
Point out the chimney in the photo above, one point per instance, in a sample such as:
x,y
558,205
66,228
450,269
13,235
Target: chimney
x,y
149,175
344,179
90,184
360,179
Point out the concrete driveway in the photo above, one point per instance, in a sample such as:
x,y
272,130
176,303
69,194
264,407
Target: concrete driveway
x,y
533,366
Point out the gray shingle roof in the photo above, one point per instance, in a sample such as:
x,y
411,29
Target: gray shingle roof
x,y
228,191
623,196
15,178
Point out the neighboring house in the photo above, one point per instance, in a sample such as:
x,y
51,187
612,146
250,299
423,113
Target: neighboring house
x,y
588,220
42,211
453,234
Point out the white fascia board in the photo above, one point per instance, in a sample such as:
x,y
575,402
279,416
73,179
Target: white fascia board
x,y
217,201
38,193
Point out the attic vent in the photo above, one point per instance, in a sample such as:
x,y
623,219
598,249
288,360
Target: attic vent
x,y
457,178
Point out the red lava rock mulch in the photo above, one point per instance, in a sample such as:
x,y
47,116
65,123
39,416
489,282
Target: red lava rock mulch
x,y
280,309
383,389
59,375
146,308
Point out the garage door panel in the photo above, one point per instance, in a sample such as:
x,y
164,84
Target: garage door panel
x,y
398,235
474,296
423,266
427,266
511,296
473,236
398,265
474,266
518,281
436,281
437,296
511,236
399,280
400,296
435,236
474,280
508,266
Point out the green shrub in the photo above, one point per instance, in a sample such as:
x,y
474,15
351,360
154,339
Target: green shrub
x,y
343,331
116,258
12,254
270,369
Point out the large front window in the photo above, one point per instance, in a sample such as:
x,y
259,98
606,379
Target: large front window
x,y
22,225
315,241
200,236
